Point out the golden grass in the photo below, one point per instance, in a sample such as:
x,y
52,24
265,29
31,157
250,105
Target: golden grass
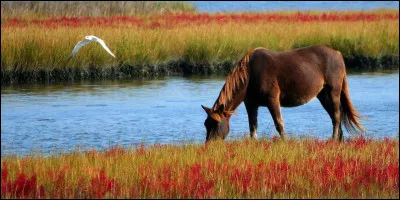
x,y
35,47
298,168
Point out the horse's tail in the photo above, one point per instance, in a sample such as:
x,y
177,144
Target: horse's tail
x,y
350,115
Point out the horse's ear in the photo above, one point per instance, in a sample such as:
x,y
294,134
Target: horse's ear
x,y
208,110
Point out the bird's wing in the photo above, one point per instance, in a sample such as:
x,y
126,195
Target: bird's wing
x,y
104,46
78,46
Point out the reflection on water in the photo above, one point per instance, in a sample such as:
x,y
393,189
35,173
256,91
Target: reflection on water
x,y
80,87
167,110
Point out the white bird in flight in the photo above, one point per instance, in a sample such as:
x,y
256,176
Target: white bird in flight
x,y
88,39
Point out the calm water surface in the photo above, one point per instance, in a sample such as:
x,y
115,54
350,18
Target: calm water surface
x,y
51,118
260,6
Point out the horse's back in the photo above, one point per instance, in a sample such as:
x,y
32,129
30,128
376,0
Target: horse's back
x,y
296,76
317,60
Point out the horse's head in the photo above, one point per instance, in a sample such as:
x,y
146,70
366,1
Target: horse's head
x,y
217,123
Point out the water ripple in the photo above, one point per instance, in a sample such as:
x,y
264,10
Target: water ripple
x,y
167,110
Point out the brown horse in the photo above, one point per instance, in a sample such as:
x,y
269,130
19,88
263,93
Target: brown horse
x,y
274,79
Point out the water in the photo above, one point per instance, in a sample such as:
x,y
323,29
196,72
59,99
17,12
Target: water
x,y
259,6
100,114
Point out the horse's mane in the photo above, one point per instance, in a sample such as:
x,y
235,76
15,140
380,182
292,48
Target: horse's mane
x,y
234,80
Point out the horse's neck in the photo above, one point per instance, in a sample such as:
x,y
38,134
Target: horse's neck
x,y
231,104
234,90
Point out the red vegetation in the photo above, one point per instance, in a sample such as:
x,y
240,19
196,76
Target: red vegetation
x,y
320,174
101,185
187,19
22,187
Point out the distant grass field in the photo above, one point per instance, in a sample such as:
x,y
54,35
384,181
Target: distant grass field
x,y
44,9
266,168
36,49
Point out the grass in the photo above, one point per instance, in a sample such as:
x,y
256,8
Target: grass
x,y
158,45
43,9
298,168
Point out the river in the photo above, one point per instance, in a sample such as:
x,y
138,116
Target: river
x,y
59,117
261,6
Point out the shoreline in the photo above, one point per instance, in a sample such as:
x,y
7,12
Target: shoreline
x,y
181,67
180,144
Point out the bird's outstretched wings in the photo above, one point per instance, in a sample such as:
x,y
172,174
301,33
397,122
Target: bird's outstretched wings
x,y
103,44
86,41
78,46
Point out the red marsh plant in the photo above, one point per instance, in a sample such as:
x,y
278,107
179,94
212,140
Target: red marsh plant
x,y
298,168
187,19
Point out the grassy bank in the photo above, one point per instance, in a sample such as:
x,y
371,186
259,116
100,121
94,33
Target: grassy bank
x,y
199,43
299,168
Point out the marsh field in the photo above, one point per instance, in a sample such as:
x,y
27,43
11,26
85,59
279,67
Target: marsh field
x,y
132,126
35,47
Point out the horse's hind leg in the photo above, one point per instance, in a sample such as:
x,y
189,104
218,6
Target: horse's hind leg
x,y
252,112
331,103
275,110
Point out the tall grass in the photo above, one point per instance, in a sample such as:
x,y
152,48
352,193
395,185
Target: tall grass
x,y
40,9
303,168
34,50
34,47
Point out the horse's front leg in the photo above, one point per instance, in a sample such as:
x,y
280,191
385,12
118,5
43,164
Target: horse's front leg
x,y
252,112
